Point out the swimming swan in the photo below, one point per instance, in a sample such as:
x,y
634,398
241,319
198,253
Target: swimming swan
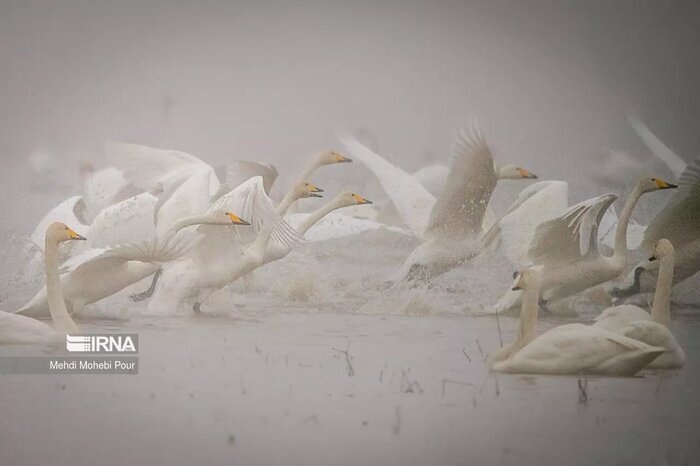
x,y
566,248
17,329
568,349
652,329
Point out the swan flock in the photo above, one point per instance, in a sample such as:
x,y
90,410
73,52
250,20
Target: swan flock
x,y
166,228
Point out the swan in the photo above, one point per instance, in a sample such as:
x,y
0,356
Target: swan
x,y
566,247
679,222
17,329
222,255
100,273
635,322
121,263
567,349
412,200
452,234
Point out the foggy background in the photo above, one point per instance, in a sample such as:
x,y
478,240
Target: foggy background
x,y
551,82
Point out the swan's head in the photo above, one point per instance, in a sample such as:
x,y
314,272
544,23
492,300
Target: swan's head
x,y
528,278
330,157
60,233
654,184
222,217
305,189
348,199
663,248
511,172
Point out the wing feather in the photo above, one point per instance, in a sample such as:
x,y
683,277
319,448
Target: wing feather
x,y
460,208
571,236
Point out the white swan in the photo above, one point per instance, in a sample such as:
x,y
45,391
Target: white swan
x,y
652,329
678,222
570,349
566,247
321,159
223,255
454,226
17,329
412,200
100,273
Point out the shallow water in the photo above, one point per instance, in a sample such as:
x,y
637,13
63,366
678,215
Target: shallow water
x,y
276,388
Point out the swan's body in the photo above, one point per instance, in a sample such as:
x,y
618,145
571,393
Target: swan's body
x,y
222,255
17,329
566,251
635,322
450,225
568,349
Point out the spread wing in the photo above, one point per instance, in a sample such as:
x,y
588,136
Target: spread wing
x,y
241,171
249,202
412,200
679,220
676,164
459,210
536,204
150,168
571,236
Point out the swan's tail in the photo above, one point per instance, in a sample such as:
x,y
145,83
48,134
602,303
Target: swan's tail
x,y
149,292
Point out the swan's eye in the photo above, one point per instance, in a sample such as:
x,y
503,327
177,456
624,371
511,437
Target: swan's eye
x,y
654,180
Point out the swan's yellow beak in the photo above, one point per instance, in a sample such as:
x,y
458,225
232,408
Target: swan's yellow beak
x,y
74,235
236,219
341,158
361,200
662,184
314,190
526,174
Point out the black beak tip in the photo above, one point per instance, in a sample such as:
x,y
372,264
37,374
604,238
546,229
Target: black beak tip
x,y
672,186
652,258
368,201
515,288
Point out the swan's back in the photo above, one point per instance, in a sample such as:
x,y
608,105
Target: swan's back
x,y
616,317
579,349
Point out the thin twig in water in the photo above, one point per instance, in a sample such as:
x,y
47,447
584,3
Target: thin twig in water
x,y
464,352
658,386
582,391
381,373
348,359
500,337
480,350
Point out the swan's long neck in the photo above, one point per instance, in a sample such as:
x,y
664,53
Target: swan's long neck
x,y
661,307
312,219
624,221
189,221
528,314
57,306
310,169
290,197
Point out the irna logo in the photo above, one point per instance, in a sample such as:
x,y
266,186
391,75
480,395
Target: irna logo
x,y
102,343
